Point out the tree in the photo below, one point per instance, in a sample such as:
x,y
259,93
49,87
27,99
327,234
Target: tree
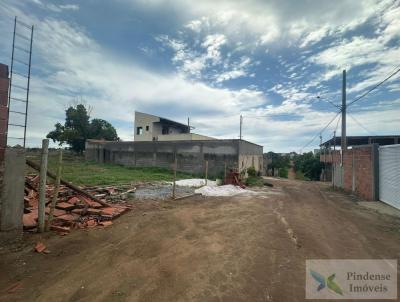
x,y
77,129
309,164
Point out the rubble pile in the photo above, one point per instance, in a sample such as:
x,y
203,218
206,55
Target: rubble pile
x,y
72,210
112,193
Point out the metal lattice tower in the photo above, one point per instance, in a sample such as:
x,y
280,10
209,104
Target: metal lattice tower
x,y
20,75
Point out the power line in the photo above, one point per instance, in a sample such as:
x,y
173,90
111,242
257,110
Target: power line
x,y
373,88
320,132
330,102
337,124
359,124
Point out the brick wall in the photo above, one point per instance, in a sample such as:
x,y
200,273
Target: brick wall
x,y
3,108
360,170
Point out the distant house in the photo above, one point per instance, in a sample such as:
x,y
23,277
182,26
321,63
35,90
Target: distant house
x,y
159,141
149,127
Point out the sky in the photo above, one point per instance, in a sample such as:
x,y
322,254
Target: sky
x,y
277,63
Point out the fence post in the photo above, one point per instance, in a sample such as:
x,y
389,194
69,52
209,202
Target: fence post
x,y
224,172
206,171
174,185
56,188
42,184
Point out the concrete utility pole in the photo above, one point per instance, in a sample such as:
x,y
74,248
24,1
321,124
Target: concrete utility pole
x,y
344,141
42,185
241,122
188,125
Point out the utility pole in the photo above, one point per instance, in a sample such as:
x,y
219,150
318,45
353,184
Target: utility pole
x,y
188,125
334,140
344,140
241,122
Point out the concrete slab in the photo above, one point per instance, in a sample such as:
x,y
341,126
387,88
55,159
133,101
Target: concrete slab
x,y
380,207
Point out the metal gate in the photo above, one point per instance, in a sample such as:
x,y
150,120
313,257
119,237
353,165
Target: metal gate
x,y
389,175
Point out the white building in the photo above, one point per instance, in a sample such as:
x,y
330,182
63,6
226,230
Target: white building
x,y
154,128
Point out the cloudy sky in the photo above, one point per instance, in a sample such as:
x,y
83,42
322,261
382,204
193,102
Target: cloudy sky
x,y
212,61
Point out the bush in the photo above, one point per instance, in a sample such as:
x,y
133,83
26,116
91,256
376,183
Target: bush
x,y
254,181
251,171
283,172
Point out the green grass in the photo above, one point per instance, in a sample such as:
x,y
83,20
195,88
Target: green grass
x,y
80,172
254,181
300,176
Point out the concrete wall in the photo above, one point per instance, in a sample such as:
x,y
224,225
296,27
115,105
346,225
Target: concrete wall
x,y
12,190
184,137
191,155
4,82
358,172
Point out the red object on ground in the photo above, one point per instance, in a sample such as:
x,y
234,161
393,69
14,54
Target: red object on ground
x,y
61,229
29,220
106,223
74,200
65,206
40,247
233,178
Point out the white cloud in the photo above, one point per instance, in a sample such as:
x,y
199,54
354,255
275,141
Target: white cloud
x,y
291,23
79,66
58,8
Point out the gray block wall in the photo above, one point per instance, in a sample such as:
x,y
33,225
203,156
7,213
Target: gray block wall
x,y
191,155
12,190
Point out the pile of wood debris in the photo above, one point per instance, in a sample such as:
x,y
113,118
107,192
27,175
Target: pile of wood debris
x,y
75,208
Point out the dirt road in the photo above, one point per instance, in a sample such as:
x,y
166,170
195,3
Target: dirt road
x,y
243,248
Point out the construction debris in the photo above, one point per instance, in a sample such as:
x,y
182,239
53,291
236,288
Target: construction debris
x,y
40,247
73,209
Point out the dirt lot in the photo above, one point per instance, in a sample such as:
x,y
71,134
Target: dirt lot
x,y
243,248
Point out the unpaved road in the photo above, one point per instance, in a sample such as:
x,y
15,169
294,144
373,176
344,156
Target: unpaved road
x,y
244,248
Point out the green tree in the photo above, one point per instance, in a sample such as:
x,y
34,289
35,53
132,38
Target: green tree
x,y
309,164
77,129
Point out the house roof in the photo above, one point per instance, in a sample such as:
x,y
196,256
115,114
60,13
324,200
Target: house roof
x,y
364,140
168,121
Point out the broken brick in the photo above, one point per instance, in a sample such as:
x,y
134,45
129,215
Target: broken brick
x,y
106,223
74,200
40,247
91,223
14,287
66,218
29,220
107,211
65,206
80,212
93,204
62,229
91,211
56,212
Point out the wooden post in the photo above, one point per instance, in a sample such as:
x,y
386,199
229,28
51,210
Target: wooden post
x,y
206,171
42,184
56,188
174,185
224,173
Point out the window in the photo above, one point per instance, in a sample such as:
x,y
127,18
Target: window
x,y
139,130
147,128
165,130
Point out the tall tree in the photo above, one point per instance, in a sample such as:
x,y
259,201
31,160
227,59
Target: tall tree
x,y
77,129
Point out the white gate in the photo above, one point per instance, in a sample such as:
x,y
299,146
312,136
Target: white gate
x,y
389,175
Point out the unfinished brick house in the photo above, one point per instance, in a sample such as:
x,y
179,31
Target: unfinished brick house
x,y
370,168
